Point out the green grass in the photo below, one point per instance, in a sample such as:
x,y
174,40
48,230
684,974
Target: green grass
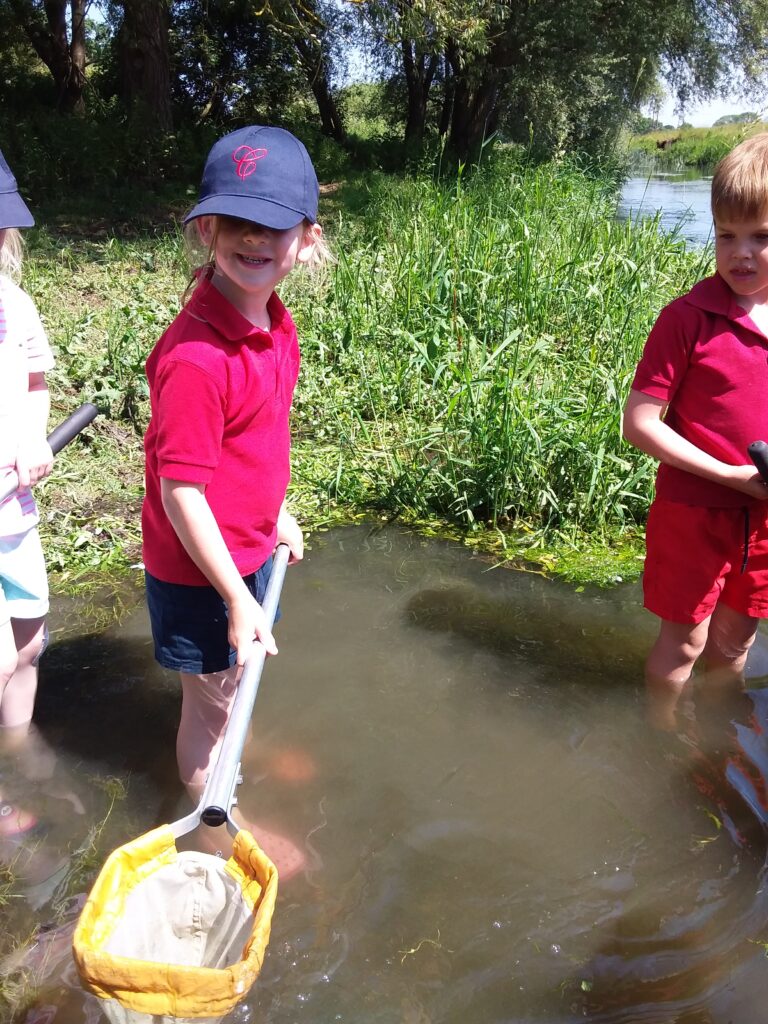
x,y
465,364
693,147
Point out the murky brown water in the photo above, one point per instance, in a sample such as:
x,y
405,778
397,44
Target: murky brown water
x,y
492,832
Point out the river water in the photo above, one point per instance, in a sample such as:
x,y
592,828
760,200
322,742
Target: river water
x,y
680,198
491,832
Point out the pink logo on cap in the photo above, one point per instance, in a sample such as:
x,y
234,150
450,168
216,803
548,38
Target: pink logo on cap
x,y
245,157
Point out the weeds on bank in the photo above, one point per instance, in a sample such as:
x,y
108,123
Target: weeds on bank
x,y
675,148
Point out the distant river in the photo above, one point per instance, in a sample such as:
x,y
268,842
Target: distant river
x,y
682,199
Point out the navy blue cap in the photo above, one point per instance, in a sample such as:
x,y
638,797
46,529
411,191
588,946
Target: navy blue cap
x,y
13,209
259,174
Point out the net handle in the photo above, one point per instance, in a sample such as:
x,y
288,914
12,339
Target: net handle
x,y
60,436
758,452
219,796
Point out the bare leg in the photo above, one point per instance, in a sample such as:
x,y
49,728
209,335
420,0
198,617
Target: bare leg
x,y
669,667
731,635
205,710
13,820
18,700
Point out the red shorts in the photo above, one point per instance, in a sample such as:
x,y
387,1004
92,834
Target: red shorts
x,y
697,556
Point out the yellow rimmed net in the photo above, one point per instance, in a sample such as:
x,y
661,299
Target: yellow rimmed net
x,y
169,935
200,956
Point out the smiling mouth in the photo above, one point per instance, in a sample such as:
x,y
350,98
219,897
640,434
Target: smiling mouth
x,y
254,261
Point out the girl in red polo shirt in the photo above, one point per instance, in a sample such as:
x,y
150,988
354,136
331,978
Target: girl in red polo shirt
x,y
217,448
698,400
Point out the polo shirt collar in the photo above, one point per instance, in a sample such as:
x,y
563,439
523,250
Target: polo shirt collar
x,y
714,296
208,304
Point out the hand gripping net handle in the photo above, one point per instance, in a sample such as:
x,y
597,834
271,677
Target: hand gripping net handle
x,y
57,439
758,452
219,795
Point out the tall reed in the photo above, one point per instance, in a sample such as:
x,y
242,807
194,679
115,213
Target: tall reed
x,y
476,346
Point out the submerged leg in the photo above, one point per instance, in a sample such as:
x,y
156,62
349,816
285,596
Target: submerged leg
x,y
669,667
20,643
20,684
205,709
731,635
206,706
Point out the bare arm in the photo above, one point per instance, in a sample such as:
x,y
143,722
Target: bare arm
x,y
34,459
644,427
190,514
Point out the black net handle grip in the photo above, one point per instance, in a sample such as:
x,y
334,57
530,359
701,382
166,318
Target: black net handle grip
x,y
758,452
71,426
58,437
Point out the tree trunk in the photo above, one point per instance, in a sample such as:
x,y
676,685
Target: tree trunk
x,y
419,73
64,60
144,61
73,95
449,89
311,59
474,114
330,118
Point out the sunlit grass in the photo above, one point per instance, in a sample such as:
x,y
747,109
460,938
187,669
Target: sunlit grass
x,y
694,147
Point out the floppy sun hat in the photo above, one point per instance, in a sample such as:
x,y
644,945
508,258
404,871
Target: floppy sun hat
x,y
260,174
13,209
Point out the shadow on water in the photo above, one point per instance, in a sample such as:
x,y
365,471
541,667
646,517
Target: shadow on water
x,y
491,831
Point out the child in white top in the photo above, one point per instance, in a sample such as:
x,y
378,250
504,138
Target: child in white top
x,y
25,356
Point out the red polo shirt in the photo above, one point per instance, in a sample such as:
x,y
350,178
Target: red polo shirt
x,y
221,392
708,360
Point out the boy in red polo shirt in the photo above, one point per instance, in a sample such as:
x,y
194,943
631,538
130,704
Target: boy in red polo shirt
x,y
217,448
699,398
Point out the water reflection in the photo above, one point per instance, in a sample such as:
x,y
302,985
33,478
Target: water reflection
x,y
681,200
492,833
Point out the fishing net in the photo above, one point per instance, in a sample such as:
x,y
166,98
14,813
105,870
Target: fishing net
x,y
168,935
173,936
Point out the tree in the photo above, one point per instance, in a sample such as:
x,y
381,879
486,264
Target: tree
x,y
142,42
564,72
56,31
308,25
230,63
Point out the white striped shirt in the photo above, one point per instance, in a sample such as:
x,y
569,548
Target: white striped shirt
x,y
24,349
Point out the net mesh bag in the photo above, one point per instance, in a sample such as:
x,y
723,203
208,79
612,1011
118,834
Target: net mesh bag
x,y
175,935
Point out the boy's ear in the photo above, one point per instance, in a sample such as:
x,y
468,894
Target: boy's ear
x,y
312,235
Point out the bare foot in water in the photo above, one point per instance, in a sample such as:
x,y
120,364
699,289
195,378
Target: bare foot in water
x,y
292,764
15,821
284,854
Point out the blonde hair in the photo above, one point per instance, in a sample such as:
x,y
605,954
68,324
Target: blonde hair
x,y
11,254
203,257
740,181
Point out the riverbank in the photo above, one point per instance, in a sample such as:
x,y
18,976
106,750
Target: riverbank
x,y
675,148
465,363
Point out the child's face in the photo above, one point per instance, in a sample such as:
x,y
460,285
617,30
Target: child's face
x,y
741,256
253,258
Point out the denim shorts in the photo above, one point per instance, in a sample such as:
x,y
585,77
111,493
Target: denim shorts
x,y
189,624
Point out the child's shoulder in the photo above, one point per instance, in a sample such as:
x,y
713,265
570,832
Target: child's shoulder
x,y
16,301
708,296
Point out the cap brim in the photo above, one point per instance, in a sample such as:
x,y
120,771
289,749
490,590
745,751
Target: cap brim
x,y
14,212
259,211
